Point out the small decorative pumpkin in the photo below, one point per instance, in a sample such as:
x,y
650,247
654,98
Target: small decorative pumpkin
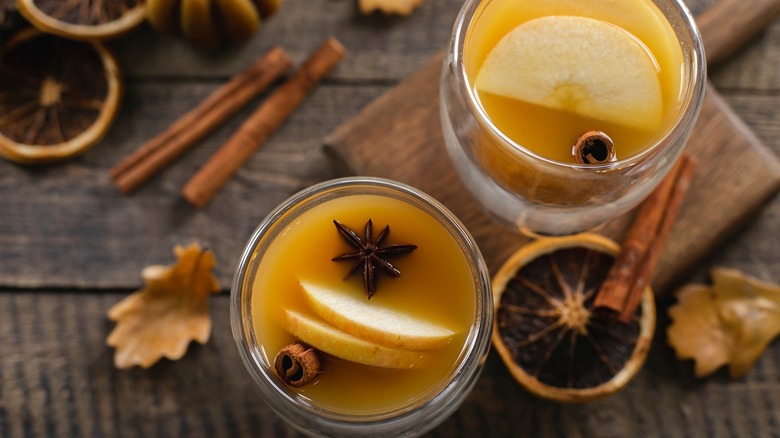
x,y
210,23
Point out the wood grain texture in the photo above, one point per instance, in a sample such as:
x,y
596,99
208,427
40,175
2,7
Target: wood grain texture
x,y
737,173
57,380
66,226
382,49
261,124
393,138
754,68
69,226
729,24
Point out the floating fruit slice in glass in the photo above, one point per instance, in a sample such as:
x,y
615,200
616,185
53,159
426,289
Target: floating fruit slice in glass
x,y
355,315
58,97
546,330
84,19
329,339
577,64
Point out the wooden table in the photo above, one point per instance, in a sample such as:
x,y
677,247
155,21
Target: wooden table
x,y
71,246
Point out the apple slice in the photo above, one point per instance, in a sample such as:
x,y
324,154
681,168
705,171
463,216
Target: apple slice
x,y
577,64
369,320
324,337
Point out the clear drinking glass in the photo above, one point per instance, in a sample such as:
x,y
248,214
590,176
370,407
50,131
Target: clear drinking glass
x,y
422,411
530,192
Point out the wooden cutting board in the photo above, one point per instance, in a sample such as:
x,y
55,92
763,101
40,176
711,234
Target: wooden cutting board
x,y
398,136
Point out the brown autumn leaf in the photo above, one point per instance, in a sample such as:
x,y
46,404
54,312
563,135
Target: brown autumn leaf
x,y
161,319
730,322
399,7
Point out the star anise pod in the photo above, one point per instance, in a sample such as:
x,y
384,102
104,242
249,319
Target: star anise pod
x,y
370,254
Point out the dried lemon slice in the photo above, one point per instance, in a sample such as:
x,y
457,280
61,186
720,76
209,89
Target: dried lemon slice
x,y
84,19
546,331
58,97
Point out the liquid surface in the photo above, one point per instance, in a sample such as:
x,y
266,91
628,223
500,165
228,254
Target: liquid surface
x,y
435,285
552,132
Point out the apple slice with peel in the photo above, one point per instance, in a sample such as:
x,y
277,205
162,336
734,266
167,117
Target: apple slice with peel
x,y
577,64
373,322
324,337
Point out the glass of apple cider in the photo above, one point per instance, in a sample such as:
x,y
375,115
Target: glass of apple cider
x,y
349,329
562,114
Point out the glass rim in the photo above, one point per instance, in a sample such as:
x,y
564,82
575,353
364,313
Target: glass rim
x,y
688,111
476,345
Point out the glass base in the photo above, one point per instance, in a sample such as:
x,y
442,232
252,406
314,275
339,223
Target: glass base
x,y
518,213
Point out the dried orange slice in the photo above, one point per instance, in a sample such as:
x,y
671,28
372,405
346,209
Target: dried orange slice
x,y
58,97
84,19
546,331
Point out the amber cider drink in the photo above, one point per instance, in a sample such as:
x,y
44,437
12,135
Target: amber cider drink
x,y
524,80
551,132
290,290
435,285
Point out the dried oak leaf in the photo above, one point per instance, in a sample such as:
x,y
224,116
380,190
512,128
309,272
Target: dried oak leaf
x,y
731,322
161,319
400,7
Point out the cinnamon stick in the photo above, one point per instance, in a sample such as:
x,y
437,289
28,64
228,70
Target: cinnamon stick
x,y
654,217
594,147
261,124
646,270
164,148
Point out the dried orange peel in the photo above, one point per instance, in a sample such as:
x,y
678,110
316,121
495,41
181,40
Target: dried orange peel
x,y
84,19
729,323
162,319
546,331
58,103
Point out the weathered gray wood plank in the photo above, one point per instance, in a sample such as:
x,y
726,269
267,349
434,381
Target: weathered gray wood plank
x,y
68,226
381,48
737,174
755,67
761,113
57,379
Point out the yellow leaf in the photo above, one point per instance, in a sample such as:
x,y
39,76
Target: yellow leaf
x,y
730,323
161,319
400,7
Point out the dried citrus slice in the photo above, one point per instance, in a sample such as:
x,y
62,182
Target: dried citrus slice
x,y
58,97
546,331
84,19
